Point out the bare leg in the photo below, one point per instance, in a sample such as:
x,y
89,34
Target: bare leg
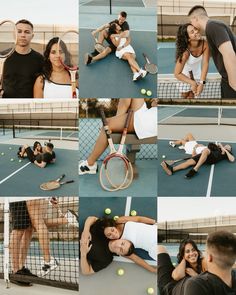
x,y
24,246
205,153
131,60
15,239
126,103
161,249
24,147
188,137
101,36
184,165
102,55
37,209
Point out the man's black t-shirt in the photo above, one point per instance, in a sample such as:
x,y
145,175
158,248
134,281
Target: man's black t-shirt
x,y
124,26
19,74
46,157
209,284
99,256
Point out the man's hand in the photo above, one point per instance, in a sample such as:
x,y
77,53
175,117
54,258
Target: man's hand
x,y
85,248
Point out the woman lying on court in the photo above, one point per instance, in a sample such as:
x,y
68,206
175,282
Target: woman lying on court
x,y
190,263
55,80
143,123
37,149
125,51
192,60
94,240
42,158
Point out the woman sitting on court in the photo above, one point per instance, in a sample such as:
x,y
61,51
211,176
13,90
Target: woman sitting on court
x,y
192,60
190,263
47,156
54,81
37,149
143,123
125,51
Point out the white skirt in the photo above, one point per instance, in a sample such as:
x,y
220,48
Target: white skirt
x,y
128,48
189,145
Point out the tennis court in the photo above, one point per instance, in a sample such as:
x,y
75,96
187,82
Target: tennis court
x,y
207,124
62,234
112,77
107,281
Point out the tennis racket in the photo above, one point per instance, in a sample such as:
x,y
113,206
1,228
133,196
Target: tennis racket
x,y
98,46
150,67
8,35
54,184
68,50
171,162
116,171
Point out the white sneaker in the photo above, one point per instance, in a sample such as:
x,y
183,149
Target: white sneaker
x,y
46,267
171,143
181,147
143,72
84,168
72,218
137,76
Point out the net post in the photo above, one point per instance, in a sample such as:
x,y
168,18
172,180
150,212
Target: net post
x,y
110,4
6,241
61,133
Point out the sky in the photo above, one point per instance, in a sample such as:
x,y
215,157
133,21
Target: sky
x,y
64,12
188,207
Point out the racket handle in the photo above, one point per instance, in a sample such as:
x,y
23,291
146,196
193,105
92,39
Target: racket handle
x,y
128,118
60,178
103,116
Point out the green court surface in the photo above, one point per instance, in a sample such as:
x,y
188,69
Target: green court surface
x,y
145,185
112,77
211,180
25,177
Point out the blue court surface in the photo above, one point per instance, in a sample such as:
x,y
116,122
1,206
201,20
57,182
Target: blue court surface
x,y
25,178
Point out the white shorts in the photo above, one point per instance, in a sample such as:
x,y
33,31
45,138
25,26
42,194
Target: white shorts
x,y
189,145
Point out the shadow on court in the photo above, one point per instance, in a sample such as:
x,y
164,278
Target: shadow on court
x,y
21,177
112,77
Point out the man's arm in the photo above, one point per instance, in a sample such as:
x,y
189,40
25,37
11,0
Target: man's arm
x,y
229,57
101,28
86,268
40,165
231,158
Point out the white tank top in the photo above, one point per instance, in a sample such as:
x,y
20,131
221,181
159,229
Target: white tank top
x,y
142,235
55,90
193,64
145,122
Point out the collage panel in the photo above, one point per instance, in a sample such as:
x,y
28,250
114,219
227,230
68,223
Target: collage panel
x,y
108,229
196,52
113,163
196,245
39,244
117,46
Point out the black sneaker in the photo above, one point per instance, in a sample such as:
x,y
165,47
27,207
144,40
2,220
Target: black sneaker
x,y
87,59
25,271
191,173
94,53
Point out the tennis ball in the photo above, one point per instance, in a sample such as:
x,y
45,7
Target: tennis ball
x,y
150,290
20,161
163,156
10,148
107,211
149,93
133,213
115,217
2,154
120,272
143,91
12,159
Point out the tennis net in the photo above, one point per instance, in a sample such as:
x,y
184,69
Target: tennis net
x,y
169,88
36,231
45,132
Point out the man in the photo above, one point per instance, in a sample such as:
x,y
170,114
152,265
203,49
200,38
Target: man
x,y
104,35
219,278
210,155
222,44
47,156
21,68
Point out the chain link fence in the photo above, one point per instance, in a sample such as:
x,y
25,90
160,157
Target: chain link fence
x,y
90,124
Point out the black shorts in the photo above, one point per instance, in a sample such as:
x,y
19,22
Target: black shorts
x,y
111,45
211,159
20,216
226,90
164,278
30,154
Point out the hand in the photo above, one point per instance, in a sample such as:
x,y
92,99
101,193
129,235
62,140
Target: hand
x,y
85,247
194,87
85,236
199,89
93,33
154,102
191,272
119,48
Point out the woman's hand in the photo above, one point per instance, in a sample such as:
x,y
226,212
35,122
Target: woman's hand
x,y
85,247
191,272
85,236
199,89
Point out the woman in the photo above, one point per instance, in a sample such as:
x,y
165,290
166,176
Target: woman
x,y
192,60
55,81
141,231
37,149
143,123
191,263
125,51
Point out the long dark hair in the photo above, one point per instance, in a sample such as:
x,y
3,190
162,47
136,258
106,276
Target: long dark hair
x,y
112,29
180,255
102,223
181,41
47,68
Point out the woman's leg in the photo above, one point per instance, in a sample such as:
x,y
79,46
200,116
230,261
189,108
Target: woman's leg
x,y
125,103
188,137
131,60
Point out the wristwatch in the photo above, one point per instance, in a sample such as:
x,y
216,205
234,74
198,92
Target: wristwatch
x,y
202,82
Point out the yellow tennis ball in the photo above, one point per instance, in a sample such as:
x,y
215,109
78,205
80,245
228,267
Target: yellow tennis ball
x,y
10,148
149,93
163,156
12,159
2,154
115,217
133,213
120,272
143,91
107,211
150,290
20,161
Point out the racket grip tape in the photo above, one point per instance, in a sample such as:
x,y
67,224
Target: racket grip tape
x,y
128,118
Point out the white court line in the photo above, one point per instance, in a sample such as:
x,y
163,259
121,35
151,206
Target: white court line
x,y
123,259
9,176
128,206
210,181
182,109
